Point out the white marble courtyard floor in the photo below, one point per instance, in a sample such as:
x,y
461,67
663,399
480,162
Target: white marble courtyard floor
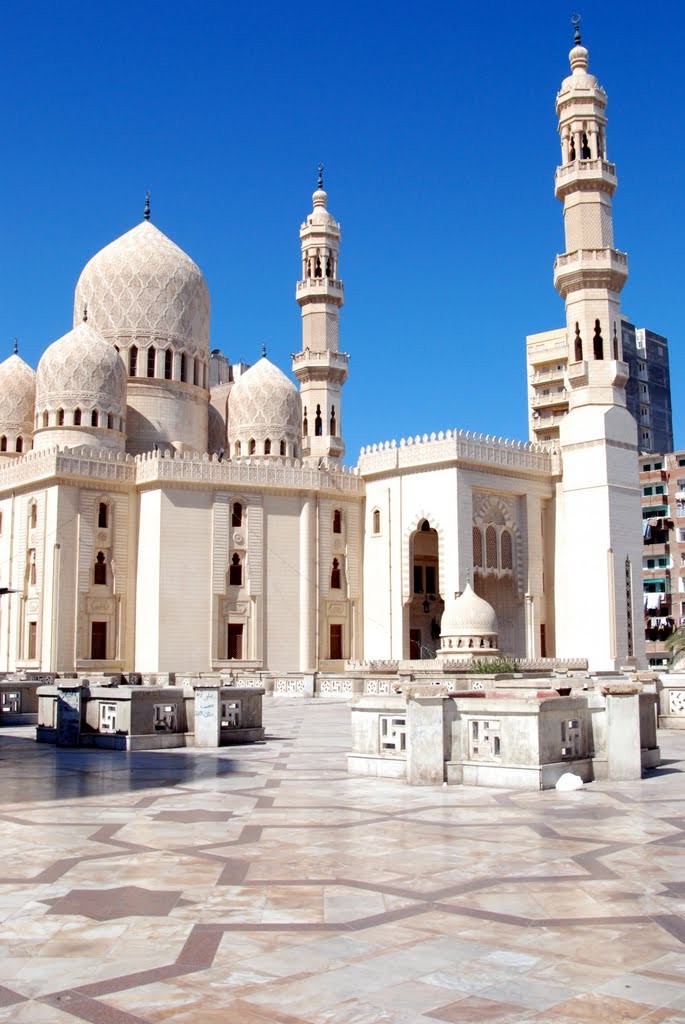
x,y
263,884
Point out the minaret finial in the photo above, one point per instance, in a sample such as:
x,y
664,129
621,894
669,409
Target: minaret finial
x,y
16,347
468,577
575,21
320,181
146,212
263,350
85,314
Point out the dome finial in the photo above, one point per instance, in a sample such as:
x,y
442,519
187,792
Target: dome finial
x,y
263,350
320,180
16,347
85,314
146,211
575,21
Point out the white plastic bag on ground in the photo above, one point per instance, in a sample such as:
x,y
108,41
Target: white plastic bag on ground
x,y
569,782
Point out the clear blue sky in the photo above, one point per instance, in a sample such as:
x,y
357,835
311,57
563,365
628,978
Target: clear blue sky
x,y
436,124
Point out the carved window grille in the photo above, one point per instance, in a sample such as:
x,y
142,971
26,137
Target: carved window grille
x,y
230,714
392,735
570,738
108,718
477,547
11,703
164,717
486,740
491,547
507,551
629,607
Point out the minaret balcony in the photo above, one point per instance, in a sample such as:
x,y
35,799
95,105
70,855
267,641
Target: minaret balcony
x,y
320,366
585,174
590,268
316,289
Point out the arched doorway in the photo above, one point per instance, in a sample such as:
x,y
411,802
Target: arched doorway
x,y
425,606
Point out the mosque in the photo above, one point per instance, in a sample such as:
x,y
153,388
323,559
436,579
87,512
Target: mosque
x,y
154,520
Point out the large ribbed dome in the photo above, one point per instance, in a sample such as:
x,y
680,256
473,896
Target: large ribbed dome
x,y
81,370
264,405
142,286
18,390
468,616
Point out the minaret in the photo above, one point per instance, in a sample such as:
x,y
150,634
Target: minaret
x,y
320,367
598,574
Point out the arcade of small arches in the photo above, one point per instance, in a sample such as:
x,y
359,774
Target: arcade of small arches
x,y
318,423
597,344
267,447
78,417
166,364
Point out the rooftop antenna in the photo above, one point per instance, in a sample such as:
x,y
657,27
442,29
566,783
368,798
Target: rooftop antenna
x,y
146,211
575,21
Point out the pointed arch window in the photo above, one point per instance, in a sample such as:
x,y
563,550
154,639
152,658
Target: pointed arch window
x,y
100,569
94,419
110,421
77,417
337,521
133,361
253,446
376,521
491,547
184,371
507,560
333,423
19,446
103,515
151,353
335,575
196,372
318,422
33,515
236,449
305,423
578,343
168,364
235,572
477,547
3,443
60,417
46,419
598,342
237,515
267,446
282,448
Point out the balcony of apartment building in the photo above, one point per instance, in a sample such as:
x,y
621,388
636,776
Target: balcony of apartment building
x,y
550,399
548,375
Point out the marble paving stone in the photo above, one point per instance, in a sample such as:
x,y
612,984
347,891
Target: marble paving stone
x,y
264,884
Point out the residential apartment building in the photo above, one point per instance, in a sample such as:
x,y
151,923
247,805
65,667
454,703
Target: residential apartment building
x,y
648,390
662,483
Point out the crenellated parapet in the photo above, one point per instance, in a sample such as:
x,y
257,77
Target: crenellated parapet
x,y
459,446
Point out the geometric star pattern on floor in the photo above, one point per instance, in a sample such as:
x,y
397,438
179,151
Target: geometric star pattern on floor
x,y
264,884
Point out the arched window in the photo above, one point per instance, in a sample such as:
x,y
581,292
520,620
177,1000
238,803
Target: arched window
x,y
103,510
33,515
585,153
333,430
335,575
253,446
282,448
235,572
110,421
578,344
317,267
491,547
337,521
168,364
77,417
477,547
318,423
3,443
184,373
507,561
151,361
100,570
46,418
94,419
133,361
598,342
376,521
19,446
305,423
60,417
615,344
267,447
32,567
425,526
237,515
572,150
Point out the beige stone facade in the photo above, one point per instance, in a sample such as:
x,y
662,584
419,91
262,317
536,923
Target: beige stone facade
x,y
151,523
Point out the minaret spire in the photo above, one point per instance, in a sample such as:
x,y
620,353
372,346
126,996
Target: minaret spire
x,y
320,367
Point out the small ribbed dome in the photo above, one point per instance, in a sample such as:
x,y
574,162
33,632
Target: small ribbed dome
x,y
468,616
81,370
142,286
264,405
18,390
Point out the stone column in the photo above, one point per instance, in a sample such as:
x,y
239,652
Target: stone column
x,y
68,714
308,585
624,761
207,716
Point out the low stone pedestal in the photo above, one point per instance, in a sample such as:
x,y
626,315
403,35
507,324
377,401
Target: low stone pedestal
x,y
68,714
624,758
